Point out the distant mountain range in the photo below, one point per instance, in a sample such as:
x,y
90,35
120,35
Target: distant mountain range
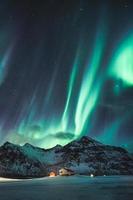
x,y
83,156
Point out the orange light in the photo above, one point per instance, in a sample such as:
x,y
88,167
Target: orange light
x,y
52,174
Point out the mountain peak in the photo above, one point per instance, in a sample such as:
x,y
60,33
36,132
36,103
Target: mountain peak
x,y
9,144
87,139
84,141
28,145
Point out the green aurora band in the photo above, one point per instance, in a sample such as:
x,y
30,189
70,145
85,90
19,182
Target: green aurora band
x,y
4,64
87,98
57,130
122,62
90,87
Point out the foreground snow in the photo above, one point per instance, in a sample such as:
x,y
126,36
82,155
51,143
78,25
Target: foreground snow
x,y
65,188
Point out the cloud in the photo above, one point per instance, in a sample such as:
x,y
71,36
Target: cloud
x,y
64,135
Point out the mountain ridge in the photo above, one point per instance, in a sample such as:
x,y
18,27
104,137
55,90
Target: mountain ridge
x,y
83,156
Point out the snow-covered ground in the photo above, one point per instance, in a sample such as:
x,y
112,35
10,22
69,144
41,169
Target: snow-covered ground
x,y
68,188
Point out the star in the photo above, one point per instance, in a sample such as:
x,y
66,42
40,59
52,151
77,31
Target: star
x,y
11,17
81,9
126,6
33,14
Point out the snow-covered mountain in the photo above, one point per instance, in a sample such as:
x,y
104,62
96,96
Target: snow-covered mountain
x,y
84,156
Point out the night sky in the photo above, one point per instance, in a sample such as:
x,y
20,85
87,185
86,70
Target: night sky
x,y
66,70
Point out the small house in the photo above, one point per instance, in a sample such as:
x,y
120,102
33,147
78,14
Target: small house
x,y
66,172
52,174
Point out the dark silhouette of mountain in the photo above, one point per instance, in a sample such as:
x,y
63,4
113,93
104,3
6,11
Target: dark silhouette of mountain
x,y
83,156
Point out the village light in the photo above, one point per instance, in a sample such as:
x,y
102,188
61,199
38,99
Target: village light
x,y
52,174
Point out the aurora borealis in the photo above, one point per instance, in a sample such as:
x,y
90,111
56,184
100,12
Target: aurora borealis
x,y
66,70
123,62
